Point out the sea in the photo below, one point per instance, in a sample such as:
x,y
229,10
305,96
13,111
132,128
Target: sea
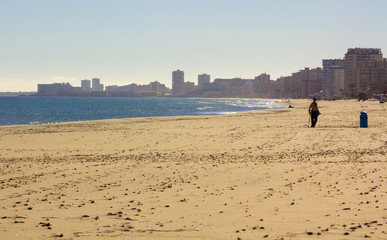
x,y
43,110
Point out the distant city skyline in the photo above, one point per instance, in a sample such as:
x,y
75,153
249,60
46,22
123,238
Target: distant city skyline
x,y
123,42
362,73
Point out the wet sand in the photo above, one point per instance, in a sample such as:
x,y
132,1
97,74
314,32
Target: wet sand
x,y
256,175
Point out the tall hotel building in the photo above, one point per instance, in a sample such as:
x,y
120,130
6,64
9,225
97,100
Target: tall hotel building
x,y
364,71
97,86
203,80
86,85
333,78
178,87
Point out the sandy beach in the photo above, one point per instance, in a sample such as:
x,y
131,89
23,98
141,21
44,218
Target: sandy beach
x,y
254,175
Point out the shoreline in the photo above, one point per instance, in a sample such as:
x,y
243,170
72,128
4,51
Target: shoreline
x,y
220,113
252,175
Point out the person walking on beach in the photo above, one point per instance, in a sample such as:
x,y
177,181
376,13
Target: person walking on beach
x,y
313,112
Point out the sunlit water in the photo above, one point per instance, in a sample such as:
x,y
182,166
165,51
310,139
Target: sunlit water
x,y
40,110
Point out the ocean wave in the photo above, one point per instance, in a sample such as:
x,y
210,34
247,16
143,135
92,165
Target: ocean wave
x,y
203,108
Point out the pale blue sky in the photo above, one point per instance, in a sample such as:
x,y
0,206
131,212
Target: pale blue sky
x,y
123,42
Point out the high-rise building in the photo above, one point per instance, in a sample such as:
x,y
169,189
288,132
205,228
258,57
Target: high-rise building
x,y
203,80
178,88
362,70
263,79
86,85
379,78
262,84
97,86
333,78
311,82
338,76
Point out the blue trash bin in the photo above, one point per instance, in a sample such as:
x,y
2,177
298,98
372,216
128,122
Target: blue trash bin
x,y
363,120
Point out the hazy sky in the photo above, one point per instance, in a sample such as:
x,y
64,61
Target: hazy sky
x,y
125,41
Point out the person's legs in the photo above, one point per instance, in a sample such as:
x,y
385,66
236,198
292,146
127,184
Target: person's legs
x,y
314,118
315,121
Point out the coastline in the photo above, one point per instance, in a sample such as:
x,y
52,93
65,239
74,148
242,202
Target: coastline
x,y
250,175
52,110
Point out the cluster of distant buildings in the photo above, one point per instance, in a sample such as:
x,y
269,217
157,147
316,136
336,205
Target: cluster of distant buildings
x,y
95,88
220,87
361,73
